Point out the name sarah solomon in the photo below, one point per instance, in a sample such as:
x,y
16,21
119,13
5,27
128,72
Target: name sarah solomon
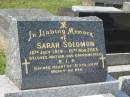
x,y
40,45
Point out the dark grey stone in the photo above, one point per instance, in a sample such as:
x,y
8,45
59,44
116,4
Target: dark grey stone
x,y
42,72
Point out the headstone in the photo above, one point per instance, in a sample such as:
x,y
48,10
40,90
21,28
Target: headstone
x,y
109,1
55,51
126,6
116,28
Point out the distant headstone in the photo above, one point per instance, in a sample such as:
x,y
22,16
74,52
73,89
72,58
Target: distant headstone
x,y
116,23
56,51
116,3
109,1
65,12
87,2
116,28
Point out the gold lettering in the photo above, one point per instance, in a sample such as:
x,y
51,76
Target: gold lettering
x,y
79,44
62,25
48,45
30,36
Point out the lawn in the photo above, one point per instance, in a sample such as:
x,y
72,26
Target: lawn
x,y
2,62
50,5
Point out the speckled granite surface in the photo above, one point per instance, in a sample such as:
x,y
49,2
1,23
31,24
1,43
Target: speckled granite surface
x,y
18,49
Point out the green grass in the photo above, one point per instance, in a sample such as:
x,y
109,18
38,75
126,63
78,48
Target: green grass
x,y
2,62
50,5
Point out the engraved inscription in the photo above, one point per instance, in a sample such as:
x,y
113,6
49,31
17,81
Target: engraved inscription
x,y
62,49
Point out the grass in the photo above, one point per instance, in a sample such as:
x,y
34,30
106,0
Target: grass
x,y
2,62
50,5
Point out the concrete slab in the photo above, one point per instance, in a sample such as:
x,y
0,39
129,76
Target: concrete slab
x,y
119,68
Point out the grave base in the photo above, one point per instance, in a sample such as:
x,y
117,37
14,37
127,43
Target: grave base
x,y
8,89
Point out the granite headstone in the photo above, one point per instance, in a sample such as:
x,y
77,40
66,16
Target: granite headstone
x,y
55,51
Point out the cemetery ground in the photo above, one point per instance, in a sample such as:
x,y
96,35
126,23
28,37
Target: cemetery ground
x,y
50,5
